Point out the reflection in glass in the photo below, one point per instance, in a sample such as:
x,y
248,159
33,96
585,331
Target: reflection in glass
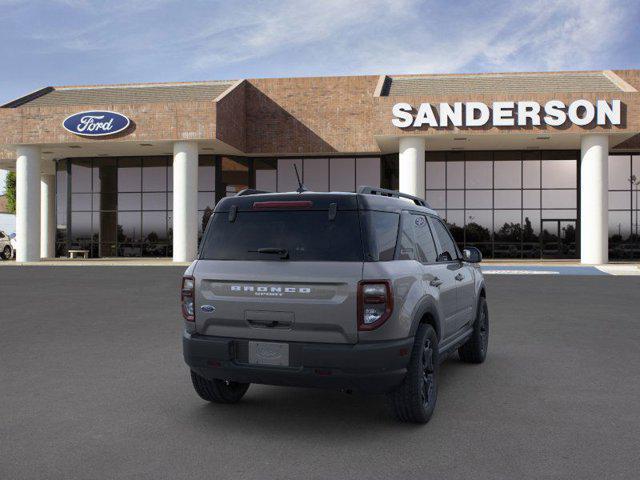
x,y
206,173
342,175
316,174
507,199
455,222
367,171
619,172
531,199
507,174
455,174
81,202
479,174
559,173
154,201
455,198
154,174
479,198
129,174
81,175
531,174
266,174
436,198
129,201
435,173
559,199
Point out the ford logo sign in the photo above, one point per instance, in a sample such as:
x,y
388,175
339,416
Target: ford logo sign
x,y
96,123
207,308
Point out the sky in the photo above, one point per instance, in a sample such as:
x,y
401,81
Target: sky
x,y
76,42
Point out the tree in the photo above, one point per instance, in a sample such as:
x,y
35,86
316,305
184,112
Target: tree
x,y
10,188
206,215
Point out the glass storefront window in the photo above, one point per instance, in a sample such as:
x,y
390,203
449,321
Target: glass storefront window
x,y
559,173
435,173
368,172
316,174
266,174
342,174
507,174
81,175
497,200
624,199
479,174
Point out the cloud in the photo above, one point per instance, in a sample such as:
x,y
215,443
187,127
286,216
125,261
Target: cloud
x,y
81,41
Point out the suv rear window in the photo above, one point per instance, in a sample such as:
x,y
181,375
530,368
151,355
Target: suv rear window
x,y
305,235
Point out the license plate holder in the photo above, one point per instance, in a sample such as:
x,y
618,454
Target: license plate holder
x,y
269,353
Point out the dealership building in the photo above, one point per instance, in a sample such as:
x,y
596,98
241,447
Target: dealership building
x,y
521,165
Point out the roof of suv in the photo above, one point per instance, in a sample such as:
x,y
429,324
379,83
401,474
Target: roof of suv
x,y
321,201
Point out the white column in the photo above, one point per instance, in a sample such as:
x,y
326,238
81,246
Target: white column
x,y
185,201
28,203
412,166
594,200
48,210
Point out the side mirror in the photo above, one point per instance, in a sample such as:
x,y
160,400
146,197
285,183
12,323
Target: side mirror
x,y
472,255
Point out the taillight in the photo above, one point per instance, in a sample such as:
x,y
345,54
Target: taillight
x,y
187,299
375,303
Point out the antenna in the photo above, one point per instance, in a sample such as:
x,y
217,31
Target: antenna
x,y
301,186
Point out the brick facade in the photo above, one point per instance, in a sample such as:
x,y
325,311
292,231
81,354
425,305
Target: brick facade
x,y
289,116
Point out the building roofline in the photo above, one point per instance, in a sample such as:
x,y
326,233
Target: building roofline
x,y
28,97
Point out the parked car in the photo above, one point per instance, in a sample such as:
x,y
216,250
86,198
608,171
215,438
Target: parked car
x,y
7,248
358,291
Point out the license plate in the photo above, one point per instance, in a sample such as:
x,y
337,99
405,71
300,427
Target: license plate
x,y
269,353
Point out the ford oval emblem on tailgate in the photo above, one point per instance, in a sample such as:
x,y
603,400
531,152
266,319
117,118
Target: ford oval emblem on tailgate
x,y
207,308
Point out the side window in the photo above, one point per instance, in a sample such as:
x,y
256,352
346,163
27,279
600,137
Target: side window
x,y
384,232
1,235
407,250
447,251
424,241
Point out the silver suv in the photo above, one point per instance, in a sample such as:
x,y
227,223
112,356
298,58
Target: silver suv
x,y
358,291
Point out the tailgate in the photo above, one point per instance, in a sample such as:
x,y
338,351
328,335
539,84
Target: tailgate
x,y
278,300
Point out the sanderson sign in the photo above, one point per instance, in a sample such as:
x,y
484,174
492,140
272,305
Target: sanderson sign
x,y
507,114
96,123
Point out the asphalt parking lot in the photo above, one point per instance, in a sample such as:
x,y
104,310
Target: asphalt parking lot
x,y
92,385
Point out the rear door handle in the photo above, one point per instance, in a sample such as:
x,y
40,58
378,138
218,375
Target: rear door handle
x,y
459,277
436,282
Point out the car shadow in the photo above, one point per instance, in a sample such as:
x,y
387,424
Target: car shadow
x,y
312,411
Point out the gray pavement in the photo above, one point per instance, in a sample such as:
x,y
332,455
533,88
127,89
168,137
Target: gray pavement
x,y
92,385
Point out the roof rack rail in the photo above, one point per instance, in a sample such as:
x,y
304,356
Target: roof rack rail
x,y
391,193
250,191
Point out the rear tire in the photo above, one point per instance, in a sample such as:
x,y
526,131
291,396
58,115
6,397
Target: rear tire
x,y
218,391
7,253
415,399
475,349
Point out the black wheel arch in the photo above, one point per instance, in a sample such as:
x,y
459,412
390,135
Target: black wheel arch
x,y
427,312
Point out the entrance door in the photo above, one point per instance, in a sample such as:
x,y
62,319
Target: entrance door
x,y
558,238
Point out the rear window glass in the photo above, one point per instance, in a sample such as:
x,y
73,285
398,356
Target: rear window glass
x,y
304,235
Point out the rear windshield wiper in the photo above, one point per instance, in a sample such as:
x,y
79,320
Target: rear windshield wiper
x,y
284,254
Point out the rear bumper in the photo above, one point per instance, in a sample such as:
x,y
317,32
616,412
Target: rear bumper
x,y
374,367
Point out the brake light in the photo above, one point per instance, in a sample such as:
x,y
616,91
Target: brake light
x,y
283,204
375,303
187,298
